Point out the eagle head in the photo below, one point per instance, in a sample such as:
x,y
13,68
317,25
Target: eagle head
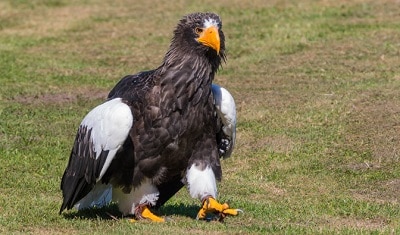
x,y
200,34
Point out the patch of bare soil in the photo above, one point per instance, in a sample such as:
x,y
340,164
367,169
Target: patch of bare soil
x,y
365,224
63,97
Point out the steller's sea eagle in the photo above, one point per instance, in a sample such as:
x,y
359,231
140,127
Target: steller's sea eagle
x,y
158,131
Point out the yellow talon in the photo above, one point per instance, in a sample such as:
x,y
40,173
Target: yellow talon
x,y
210,205
147,214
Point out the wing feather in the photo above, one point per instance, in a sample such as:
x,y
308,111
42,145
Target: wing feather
x,y
100,135
226,111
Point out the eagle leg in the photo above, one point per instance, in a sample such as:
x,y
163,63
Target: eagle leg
x,y
143,212
210,205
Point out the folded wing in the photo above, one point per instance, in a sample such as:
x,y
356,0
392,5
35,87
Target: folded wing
x,y
226,110
100,135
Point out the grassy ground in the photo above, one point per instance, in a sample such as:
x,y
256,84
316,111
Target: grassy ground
x,y
317,85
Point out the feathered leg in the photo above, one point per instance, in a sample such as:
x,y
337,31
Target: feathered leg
x,y
202,185
138,201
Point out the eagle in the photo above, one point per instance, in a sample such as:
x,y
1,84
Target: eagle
x,y
158,131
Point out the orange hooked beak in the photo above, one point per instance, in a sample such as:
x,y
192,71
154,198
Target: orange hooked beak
x,y
210,37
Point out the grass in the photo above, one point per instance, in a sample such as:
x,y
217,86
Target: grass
x,y
317,91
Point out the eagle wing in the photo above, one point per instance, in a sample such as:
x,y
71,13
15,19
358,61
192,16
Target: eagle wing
x,y
226,112
100,136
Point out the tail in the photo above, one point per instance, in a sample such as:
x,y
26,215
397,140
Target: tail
x,y
100,196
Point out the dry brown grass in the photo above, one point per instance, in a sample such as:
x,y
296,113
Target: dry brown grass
x,y
366,225
62,97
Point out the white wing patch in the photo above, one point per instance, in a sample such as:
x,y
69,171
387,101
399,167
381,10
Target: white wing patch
x,y
226,110
110,124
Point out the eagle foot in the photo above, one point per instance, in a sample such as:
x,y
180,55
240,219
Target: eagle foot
x,y
143,212
210,205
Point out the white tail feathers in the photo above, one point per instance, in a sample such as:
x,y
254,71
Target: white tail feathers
x,y
100,196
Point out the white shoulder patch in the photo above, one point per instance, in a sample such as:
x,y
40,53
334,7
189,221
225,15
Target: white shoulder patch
x,y
226,109
110,124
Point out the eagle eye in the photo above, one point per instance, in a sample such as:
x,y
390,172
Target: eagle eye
x,y
198,30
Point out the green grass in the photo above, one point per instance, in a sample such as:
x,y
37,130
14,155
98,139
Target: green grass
x,y
317,86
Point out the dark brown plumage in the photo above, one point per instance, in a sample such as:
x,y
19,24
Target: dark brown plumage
x,y
173,125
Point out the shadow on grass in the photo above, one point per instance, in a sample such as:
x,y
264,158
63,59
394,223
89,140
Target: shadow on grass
x,y
179,209
111,212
